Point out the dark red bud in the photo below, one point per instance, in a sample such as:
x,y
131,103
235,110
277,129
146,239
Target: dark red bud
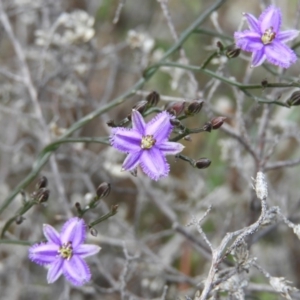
x,y
194,108
175,122
202,163
42,195
153,98
42,183
103,190
217,122
176,108
233,52
294,100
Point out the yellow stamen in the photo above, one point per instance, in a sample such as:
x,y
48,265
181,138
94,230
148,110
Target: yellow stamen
x,y
268,36
66,251
147,142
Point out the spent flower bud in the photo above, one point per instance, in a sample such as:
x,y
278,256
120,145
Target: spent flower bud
x,y
153,98
233,52
19,220
264,83
220,46
194,108
175,122
176,108
202,163
217,122
42,183
294,100
93,232
41,195
111,123
103,190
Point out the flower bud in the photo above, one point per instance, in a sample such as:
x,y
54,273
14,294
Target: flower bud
x,y
78,206
220,46
194,108
217,122
175,122
19,220
264,83
42,183
111,123
93,232
176,108
103,190
153,98
42,195
294,100
202,163
233,52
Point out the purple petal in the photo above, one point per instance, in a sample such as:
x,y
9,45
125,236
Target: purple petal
x,y
131,161
126,140
51,234
252,22
258,57
248,40
288,35
138,122
270,17
170,148
76,271
154,163
280,55
44,253
55,270
160,126
73,231
87,250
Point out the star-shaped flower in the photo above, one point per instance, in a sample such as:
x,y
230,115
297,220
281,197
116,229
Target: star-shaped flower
x,y
265,39
146,144
63,253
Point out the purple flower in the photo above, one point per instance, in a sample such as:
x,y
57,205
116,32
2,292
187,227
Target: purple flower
x,y
146,144
265,39
63,253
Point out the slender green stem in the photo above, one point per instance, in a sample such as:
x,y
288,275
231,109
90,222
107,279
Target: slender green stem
x,y
42,159
186,132
214,33
225,79
20,212
16,242
113,211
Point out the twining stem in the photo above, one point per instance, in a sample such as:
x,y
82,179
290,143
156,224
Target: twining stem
x,y
42,159
113,211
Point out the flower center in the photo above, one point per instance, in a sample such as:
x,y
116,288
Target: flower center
x,y
147,142
66,251
268,36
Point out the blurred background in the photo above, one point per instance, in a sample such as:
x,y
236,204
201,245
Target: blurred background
x,y
61,60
